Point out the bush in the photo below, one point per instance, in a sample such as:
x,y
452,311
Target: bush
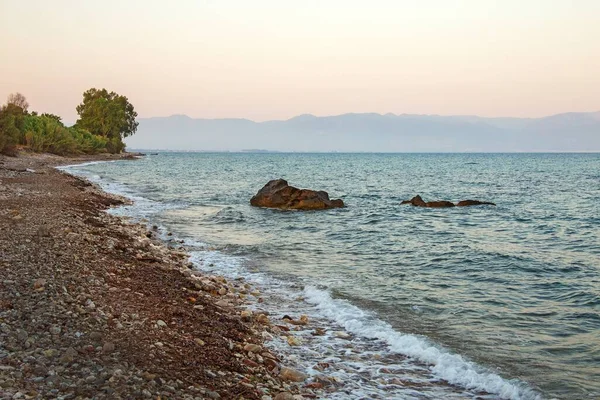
x,y
46,133
11,118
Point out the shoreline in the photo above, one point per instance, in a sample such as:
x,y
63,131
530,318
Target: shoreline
x,y
93,305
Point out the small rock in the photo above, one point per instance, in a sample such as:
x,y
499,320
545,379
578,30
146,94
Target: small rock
x,y
342,335
213,395
254,348
294,341
223,303
39,283
318,332
108,347
289,374
284,396
96,336
250,363
199,341
55,330
161,324
263,319
22,335
69,355
50,353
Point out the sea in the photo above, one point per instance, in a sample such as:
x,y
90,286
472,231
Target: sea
x,y
484,302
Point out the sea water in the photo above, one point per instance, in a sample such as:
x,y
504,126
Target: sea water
x,y
475,302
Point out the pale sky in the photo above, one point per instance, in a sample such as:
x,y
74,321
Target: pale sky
x,y
276,59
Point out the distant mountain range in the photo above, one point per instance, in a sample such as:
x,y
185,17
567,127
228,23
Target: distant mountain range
x,y
373,133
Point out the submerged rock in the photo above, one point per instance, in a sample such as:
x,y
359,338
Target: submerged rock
x,y
439,204
418,201
278,194
466,203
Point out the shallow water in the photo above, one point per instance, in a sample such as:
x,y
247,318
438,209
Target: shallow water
x,y
501,299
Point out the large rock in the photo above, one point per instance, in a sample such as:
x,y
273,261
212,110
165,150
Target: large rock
x,y
417,201
278,194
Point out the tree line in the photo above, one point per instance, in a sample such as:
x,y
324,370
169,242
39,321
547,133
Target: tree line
x,y
105,118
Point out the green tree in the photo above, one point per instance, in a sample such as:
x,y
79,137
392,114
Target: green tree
x,y
9,131
12,116
109,115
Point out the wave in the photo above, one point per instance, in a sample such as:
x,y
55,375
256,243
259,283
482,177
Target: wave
x,y
450,367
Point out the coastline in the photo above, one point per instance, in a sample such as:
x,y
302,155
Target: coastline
x,y
93,305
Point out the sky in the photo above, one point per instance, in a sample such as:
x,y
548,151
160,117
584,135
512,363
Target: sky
x,y
276,59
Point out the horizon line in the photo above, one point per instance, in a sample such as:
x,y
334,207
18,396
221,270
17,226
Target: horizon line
x,y
370,113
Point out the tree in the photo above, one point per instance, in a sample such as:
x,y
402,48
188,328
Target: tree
x,y
12,115
18,100
9,130
108,115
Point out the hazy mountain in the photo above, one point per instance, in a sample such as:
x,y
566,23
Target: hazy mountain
x,y
373,133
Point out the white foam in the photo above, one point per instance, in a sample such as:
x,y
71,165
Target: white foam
x,y
70,166
450,367
141,208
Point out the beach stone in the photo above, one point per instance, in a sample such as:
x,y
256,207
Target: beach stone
x,y
55,330
284,396
254,348
278,194
262,318
108,347
39,283
289,374
69,355
161,324
294,341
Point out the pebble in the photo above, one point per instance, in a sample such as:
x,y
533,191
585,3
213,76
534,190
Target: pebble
x,y
108,347
293,375
69,355
39,283
161,324
284,396
254,348
262,318
294,341
213,395
55,330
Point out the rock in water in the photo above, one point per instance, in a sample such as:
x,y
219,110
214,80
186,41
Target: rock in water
x,y
439,204
466,203
289,374
278,194
417,201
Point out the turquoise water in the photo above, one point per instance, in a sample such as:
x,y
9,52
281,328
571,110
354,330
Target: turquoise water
x,y
511,290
